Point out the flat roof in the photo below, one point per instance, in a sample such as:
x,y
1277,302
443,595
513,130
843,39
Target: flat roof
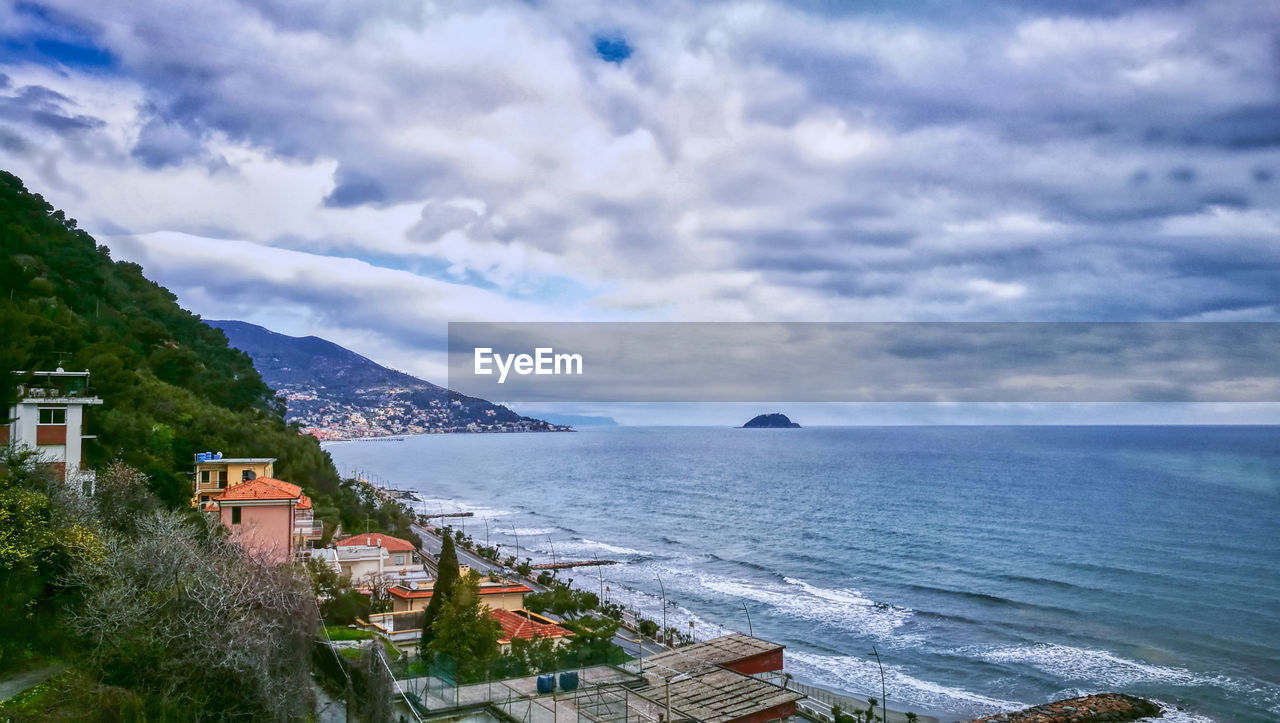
x,y
724,650
717,694
238,460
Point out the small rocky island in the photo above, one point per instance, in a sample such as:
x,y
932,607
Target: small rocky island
x,y
771,421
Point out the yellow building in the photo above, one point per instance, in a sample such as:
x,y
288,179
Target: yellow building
x,y
503,595
214,474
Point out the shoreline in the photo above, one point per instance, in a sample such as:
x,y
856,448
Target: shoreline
x,y
849,701
832,679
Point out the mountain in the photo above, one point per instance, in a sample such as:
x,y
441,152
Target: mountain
x,y
771,421
335,393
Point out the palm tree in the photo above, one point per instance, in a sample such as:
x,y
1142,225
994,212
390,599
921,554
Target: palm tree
x,y
871,709
912,717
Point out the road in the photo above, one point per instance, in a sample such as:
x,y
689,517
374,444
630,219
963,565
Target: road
x,y
431,545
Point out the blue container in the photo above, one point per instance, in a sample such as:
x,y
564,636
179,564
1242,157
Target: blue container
x,y
569,680
546,683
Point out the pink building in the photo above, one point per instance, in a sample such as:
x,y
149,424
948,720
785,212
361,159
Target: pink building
x,y
261,514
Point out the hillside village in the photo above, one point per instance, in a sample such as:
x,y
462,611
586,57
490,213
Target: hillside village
x,y
412,635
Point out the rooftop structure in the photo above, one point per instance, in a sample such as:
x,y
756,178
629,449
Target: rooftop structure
x,y
377,539
740,653
524,625
720,695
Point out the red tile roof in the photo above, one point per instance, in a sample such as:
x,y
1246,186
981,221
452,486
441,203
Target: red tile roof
x,y
304,502
517,626
393,544
261,488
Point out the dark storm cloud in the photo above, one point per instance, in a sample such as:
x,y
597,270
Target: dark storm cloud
x,y
46,109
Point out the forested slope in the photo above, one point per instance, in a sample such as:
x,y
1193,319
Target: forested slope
x,y
171,385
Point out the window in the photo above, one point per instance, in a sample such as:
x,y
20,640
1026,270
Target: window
x,y
53,415
247,475
222,478
204,476
235,515
399,559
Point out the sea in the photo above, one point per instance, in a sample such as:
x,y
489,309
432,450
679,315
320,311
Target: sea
x,y
988,568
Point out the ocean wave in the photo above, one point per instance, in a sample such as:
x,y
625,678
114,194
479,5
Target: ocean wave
x,y
531,531
1096,667
580,546
437,505
846,609
862,678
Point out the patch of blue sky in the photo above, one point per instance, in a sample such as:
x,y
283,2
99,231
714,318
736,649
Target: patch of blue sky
x,y
47,38
612,48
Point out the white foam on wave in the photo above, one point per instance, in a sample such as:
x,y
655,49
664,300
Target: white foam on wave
x,y
579,547
1107,671
861,677
1096,667
841,608
437,505
530,531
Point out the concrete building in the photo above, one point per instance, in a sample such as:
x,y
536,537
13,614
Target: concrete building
x,y
400,563
49,419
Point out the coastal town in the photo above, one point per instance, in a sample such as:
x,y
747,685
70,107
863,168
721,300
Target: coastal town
x,y
441,628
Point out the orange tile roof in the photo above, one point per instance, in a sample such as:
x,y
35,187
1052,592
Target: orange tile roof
x,y
304,502
260,488
392,544
516,626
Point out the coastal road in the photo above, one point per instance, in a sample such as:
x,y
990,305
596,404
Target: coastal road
x,y
432,544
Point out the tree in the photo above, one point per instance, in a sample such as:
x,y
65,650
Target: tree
x,y
442,590
181,614
377,689
592,641
464,633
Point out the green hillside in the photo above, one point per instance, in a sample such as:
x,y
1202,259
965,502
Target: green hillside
x,y
171,385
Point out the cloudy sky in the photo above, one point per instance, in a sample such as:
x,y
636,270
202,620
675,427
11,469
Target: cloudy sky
x,y
367,171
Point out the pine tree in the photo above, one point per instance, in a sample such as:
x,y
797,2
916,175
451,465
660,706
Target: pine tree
x,y
445,586
464,634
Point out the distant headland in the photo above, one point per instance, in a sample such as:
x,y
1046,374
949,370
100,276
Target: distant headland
x,y
771,421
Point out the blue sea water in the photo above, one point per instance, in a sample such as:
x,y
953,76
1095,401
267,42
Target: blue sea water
x,y
991,567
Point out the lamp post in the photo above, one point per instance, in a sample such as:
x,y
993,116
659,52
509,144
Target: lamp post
x,y
884,695
664,609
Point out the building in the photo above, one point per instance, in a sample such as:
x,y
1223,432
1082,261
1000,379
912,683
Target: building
x,y
262,516
397,560
720,680
214,474
498,595
48,418
404,629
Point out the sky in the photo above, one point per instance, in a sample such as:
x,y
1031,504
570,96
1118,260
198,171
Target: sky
x,y
368,171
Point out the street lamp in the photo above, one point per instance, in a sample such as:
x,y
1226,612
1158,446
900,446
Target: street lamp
x,y
884,696
664,609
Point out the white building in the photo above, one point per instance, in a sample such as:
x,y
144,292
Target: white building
x,y
49,418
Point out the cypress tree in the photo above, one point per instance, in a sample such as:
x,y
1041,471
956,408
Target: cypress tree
x,y
445,586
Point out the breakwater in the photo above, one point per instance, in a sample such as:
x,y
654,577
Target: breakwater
x,y
1106,707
